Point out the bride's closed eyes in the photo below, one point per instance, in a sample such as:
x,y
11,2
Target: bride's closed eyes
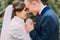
x,y
26,9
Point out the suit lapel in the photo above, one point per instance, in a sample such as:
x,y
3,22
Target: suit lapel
x,y
38,22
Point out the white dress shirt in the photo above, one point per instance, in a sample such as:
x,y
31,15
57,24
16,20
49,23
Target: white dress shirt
x,y
42,9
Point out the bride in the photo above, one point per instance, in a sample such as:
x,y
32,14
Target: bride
x,y
13,24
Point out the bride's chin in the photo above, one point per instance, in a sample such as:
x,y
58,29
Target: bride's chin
x,y
25,17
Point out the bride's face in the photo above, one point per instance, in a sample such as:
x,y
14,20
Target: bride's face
x,y
23,14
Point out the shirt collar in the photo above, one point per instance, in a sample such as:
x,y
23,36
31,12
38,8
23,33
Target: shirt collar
x,y
42,9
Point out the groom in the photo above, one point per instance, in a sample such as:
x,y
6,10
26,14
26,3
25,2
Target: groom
x,y
46,27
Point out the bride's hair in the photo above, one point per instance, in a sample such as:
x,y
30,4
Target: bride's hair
x,y
17,6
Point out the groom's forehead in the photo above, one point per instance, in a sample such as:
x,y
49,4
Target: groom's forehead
x,y
26,2
30,1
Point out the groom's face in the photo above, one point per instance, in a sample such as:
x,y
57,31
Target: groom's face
x,y
31,7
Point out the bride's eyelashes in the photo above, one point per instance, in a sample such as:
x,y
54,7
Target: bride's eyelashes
x,y
26,9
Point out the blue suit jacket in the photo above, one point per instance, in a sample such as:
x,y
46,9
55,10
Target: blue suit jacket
x,y
46,27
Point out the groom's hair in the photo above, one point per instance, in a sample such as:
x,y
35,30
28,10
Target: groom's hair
x,y
38,1
30,1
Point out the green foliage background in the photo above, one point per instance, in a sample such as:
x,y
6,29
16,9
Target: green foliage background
x,y
54,4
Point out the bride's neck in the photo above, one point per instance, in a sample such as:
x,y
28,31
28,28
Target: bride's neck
x,y
20,15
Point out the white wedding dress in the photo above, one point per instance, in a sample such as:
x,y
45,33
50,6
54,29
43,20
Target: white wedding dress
x,y
13,29
17,30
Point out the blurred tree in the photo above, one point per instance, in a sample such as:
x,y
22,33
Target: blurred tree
x,y
54,4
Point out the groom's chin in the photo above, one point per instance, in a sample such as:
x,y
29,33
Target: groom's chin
x,y
36,14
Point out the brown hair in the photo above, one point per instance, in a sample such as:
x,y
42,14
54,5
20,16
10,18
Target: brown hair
x,y
17,6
